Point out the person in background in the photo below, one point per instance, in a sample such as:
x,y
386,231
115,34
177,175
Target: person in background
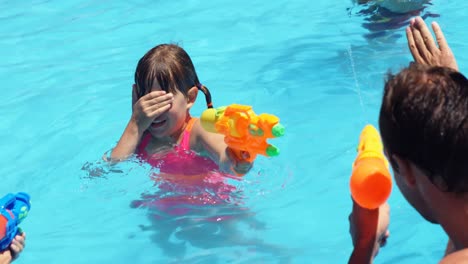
x,y
397,6
423,122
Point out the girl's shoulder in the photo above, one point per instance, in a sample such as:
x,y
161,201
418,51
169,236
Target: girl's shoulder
x,y
200,138
196,135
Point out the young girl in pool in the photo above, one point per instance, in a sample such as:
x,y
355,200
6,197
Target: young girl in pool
x,y
161,129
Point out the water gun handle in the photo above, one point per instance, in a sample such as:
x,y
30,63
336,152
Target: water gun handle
x,y
371,182
242,155
13,210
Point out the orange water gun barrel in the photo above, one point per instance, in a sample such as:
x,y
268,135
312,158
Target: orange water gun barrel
x,y
244,130
371,182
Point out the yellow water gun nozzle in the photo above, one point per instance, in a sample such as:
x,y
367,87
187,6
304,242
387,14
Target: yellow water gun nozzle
x,y
371,182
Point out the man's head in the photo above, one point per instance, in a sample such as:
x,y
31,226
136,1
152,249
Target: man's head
x,y
424,120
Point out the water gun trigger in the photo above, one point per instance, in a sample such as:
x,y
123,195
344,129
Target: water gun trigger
x,y
243,161
242,155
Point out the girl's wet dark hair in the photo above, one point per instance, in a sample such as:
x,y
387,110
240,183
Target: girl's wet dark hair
x,y
171,67
424,119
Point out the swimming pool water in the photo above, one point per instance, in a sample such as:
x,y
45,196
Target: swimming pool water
x,y
67,70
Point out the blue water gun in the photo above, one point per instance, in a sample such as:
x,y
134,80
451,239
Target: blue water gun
x,y
13,209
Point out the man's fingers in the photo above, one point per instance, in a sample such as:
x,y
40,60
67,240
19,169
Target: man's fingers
x,y
385,208
426,35
412,45
424,52
16,247
441,41
19,239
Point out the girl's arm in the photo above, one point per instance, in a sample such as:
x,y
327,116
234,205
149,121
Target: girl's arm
x,y
214,145
128,142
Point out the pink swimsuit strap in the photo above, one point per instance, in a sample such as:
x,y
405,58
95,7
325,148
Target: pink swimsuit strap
x,y
185,142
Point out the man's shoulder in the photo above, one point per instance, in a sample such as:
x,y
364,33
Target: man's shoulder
x,y
457,257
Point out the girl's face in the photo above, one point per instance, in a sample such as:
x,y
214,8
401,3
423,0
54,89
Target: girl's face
x,y
172,122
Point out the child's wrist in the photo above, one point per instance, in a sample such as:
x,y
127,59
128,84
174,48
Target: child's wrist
x,y
135,129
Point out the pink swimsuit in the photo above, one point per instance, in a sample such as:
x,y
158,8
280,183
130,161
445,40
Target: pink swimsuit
x,y
185,177
179,161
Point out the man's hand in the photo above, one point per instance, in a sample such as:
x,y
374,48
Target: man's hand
x,y
16,247
369,231
423,47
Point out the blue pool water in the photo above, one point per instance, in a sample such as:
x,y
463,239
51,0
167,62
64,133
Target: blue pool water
x,y
67,70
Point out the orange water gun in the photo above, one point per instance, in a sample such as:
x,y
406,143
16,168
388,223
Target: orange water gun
x,y
244,130
371,182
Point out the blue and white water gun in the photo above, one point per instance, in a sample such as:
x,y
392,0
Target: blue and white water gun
x,y
13,209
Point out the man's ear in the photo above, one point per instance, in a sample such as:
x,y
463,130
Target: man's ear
x,y
406,170
134,95
191,96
